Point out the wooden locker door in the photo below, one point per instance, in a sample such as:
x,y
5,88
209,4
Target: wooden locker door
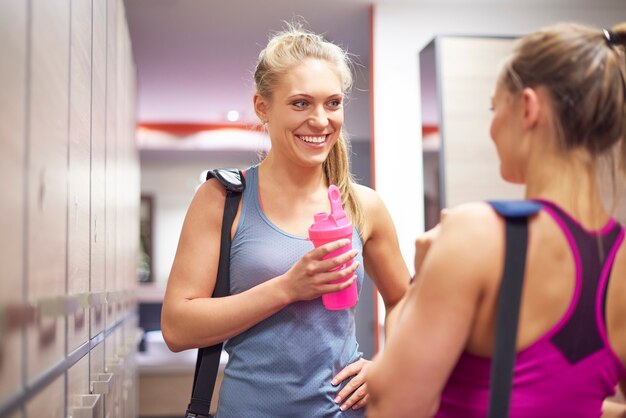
x,y
50,402
13,50
82,389
98,150
111,163
79,168
47,181
114,364
96,360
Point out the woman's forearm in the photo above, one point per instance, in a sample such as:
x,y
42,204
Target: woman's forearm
x,y
611,409
202,322
391,316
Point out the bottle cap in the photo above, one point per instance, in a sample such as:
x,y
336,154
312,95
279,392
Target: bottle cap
x,y
336,222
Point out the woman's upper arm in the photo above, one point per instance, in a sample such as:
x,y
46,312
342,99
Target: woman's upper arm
x,y
438,314
381,252
194,268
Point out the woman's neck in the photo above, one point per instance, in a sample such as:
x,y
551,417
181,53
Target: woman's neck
x,y
293,179
569,179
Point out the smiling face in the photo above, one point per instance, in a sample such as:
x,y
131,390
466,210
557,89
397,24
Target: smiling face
x,y
305,113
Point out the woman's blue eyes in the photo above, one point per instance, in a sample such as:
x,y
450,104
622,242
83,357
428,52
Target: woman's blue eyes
x,y
303,103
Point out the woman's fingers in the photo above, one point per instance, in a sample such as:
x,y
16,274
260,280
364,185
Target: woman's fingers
x,y
328,248
355,393
357,400
334,262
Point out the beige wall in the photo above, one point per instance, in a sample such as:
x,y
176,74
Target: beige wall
x,y
70,188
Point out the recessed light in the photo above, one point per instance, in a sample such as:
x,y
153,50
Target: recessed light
x,y
232,116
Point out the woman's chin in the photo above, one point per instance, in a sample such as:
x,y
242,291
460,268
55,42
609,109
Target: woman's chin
x,y
512,178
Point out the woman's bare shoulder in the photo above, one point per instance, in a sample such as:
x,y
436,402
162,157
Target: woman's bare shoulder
x,y
473,232
367,195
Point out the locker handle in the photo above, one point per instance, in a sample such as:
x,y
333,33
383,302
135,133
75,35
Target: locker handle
x,y
51,307
97,299
83,300
112,297
103,383
72,304
15,316
87,407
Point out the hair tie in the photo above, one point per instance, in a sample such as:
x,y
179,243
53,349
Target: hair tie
x,y
611,38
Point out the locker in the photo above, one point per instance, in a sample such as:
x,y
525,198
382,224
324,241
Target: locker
x,y
13,49
98,150
111,161
50,402
79,165
78,386
47,181
97,373
115,365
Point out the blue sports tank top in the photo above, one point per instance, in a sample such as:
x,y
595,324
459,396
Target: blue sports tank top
x,y
282,366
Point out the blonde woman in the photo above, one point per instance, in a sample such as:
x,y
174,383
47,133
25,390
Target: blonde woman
x,y
289,356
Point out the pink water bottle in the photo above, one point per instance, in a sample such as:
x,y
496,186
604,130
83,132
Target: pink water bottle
x,y
332,227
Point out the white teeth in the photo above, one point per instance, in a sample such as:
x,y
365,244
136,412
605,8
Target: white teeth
x,y
313,139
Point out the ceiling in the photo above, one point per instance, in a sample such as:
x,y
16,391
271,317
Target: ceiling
x,y
195,58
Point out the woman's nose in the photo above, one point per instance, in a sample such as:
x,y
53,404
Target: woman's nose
x,y
318,118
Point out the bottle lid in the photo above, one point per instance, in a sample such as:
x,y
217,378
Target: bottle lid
x,y
336,221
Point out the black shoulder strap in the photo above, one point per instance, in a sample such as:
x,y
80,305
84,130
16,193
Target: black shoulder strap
x,y
208,360
231,178
516,215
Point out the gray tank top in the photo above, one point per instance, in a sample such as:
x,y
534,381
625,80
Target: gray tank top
x,y
282,366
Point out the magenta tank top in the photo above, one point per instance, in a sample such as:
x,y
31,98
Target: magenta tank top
x,y
570,370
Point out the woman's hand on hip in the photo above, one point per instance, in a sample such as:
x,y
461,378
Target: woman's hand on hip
x,y
355,392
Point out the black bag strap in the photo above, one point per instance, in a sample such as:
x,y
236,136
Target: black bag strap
x,y
208,360
516,214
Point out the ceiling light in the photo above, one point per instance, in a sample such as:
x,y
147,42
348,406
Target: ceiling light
x,y
232,116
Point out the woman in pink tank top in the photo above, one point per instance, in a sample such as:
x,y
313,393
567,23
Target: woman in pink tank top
x,y
559,116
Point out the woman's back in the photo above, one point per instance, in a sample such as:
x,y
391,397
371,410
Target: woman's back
x,y
565,365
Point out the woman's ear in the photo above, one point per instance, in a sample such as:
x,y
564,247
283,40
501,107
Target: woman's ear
x,y
532,105
260,107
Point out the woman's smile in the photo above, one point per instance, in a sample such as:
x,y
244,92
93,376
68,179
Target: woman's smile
x,y
316,140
